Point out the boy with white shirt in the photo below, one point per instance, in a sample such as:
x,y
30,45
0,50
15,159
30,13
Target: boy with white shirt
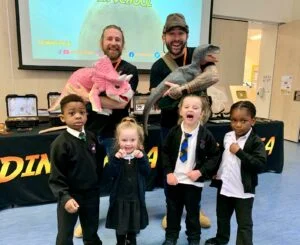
x,y
190,155
76,166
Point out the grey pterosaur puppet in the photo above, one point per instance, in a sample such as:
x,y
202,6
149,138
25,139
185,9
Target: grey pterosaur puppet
x,y
190,76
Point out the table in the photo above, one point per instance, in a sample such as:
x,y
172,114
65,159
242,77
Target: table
x,y
25,165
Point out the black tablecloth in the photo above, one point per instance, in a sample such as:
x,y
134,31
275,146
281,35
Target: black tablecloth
x,y
25,165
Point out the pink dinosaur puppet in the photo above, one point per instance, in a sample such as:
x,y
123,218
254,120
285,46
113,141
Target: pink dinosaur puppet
x,y
102,77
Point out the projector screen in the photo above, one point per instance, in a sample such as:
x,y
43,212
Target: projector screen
x,y
65,34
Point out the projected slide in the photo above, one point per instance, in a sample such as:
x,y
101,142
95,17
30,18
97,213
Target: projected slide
x,y
67,32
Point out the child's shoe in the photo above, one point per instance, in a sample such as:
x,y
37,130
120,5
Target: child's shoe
x,y
213,241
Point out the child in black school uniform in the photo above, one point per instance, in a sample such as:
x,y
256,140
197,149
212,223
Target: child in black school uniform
x,y
243,158
76,166
129,166
190,155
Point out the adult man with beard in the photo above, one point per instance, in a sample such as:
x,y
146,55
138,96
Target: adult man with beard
x,y
112,43
175,36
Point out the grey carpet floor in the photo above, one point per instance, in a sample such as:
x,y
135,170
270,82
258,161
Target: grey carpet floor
x,y
276,213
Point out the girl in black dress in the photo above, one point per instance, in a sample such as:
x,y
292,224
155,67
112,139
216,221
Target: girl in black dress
x,y
128,166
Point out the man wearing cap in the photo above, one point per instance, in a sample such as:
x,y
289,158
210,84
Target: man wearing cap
x,y
175,35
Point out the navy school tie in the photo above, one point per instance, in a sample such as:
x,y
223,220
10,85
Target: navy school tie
x,y
184,147
82,136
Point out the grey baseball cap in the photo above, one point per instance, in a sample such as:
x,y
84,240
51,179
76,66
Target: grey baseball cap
x,y
175,20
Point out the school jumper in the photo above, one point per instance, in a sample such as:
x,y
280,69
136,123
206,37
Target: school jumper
x,y
252,157
188,195
127,211
76,168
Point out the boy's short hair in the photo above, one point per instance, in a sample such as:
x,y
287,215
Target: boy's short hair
x,y
70,98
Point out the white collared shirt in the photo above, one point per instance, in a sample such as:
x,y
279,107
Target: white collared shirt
x,y
230,168
182,168
75,132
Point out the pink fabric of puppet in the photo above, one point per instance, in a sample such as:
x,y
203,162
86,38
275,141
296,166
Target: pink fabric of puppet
x,y
102,77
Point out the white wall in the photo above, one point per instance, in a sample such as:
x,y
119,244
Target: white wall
x,y
41,82
296,10
263,10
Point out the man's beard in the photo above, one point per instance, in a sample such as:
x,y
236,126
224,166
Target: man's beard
x,y
114,55
177,53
